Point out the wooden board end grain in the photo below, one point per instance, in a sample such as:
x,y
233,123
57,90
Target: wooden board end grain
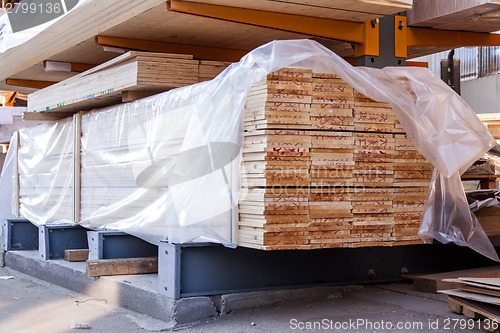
x,y
76,255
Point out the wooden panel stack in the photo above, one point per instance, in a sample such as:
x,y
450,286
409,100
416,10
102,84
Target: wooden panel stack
x,y
325,166
45,167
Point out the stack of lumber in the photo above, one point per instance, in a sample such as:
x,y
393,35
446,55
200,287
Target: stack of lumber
x,y
132,74
477,298
108,180
46,172
492,123
325,166
431,283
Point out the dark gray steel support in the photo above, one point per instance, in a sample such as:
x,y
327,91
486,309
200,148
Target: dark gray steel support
x,y
206,269
450,72
54,239
387,48
19,234
117,244
169,269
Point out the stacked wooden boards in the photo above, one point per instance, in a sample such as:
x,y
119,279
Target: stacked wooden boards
x,y
477,298
140,72
492,123
325,166
469,15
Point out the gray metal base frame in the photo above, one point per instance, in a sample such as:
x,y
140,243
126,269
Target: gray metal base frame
x,y
54,239
205,269
116,244
19,234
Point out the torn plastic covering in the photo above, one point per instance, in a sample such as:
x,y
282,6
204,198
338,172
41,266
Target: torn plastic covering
x,y
10,39
170,151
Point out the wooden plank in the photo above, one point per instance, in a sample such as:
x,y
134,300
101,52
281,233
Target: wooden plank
x,y
472,296
200,52
106,267
478,290
433,282
46,116
104,84
133,95
464,282
76,255
487,281
28,83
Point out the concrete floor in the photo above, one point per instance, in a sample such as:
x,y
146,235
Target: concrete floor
x,y
29,305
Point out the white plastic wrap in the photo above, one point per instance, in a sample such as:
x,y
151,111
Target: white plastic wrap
x,y
447,217
167,170
168,166
46,173
9,201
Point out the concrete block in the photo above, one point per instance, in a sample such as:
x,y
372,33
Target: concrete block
x,y
194,309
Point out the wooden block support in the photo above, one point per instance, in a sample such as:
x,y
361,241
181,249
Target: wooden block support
x,y
106,267
133,95
76,255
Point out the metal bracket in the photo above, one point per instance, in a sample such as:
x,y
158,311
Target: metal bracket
x,y
169,269
371,43
117,244
54,239
400,37
390,54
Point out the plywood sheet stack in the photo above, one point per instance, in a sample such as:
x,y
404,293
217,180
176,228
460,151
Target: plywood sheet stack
x,y
143,72
325,166
45,167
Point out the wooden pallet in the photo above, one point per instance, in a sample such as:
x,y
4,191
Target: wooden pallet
x,y
489,314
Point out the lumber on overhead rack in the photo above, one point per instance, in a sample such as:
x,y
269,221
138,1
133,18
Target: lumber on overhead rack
x,y
126,78
325,166
358,10
104,84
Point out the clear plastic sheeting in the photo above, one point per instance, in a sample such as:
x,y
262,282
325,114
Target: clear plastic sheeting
x,y
9,200
168,166
448,218
169,169
45,171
